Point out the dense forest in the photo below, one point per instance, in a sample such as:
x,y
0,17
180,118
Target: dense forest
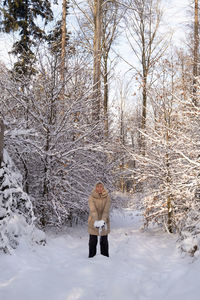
x,y
69,118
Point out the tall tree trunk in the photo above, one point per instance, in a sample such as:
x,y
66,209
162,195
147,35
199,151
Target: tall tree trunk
x,y
97,59
196,50
144,112
122,139
63,45
169,195
1,140
106,95
168,179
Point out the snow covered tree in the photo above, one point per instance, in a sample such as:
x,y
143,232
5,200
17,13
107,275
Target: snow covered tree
x,y
16,210
170,167
57,154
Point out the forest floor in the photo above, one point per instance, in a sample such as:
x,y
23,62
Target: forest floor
x,y
142,265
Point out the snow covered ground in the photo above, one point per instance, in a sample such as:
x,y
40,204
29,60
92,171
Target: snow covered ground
x,y
142,265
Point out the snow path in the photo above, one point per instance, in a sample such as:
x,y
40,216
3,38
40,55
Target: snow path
x,y
141,266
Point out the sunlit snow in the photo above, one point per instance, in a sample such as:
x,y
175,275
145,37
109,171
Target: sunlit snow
x,y
142,265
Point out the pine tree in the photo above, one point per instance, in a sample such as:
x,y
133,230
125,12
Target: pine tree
x,y
21,16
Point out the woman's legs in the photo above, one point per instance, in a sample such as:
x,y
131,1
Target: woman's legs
x,y
104,245
92,245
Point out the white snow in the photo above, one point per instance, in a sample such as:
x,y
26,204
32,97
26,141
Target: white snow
x,y
142,265
99,224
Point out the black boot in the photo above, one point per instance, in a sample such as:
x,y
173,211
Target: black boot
x,y
92,245
104,245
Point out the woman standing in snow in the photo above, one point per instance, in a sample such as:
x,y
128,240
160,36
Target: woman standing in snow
x,y
99,221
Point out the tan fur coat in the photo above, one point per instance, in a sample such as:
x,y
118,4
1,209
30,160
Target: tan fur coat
x,y
99,205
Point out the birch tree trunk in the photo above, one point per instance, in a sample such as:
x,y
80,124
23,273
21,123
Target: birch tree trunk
x,y
1,140
97,59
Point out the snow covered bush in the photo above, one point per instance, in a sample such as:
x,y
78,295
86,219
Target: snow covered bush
x,y
190,230
50,137
170,168
16,212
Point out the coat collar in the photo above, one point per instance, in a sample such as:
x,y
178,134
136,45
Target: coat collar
x,y
97,195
